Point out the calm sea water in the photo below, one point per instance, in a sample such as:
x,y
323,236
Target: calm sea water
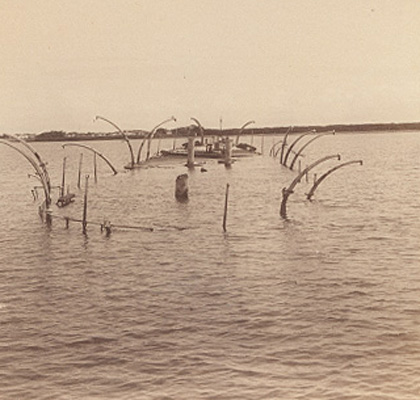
x,y
325,305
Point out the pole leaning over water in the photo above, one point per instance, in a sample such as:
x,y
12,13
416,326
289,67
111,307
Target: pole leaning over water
x,y
317,182
41,163
130,148
284,144
299,152
38,170
85,146
286,192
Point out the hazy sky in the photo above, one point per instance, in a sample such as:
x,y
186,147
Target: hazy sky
x,y
137,62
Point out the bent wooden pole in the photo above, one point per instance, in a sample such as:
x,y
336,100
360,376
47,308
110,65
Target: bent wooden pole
x,y
274,151
149,138
130,148
42,164
293,144
85,146
322,177
307,144
200,127
284,144
290,190
38,170
242,129
273,148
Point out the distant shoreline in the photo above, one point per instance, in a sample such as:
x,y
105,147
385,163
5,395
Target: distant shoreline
x,y
182,132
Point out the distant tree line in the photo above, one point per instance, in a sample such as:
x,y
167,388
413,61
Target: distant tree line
x,y
195,131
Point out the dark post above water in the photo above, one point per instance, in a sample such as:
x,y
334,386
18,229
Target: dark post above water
x,y
226,207
84,218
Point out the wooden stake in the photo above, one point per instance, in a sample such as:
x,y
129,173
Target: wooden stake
x,y
63,179
228,152
191,152
80,170
95,177
84,221
226,207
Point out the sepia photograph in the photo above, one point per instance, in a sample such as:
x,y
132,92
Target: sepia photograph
x,y
209,200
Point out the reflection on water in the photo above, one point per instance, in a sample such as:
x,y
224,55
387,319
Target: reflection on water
x,y
322,306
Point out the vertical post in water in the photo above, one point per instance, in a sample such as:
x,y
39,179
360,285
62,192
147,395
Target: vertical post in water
x,y
262,144
191,152
63,179
228,152
84,222
226,207
80,170
95,176
158,147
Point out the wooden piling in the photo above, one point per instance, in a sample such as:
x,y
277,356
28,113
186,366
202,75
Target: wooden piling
x,y
262,144
80,170
226,207
181,187
84,221
63,179
191,152
95,176
158,147
228,152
